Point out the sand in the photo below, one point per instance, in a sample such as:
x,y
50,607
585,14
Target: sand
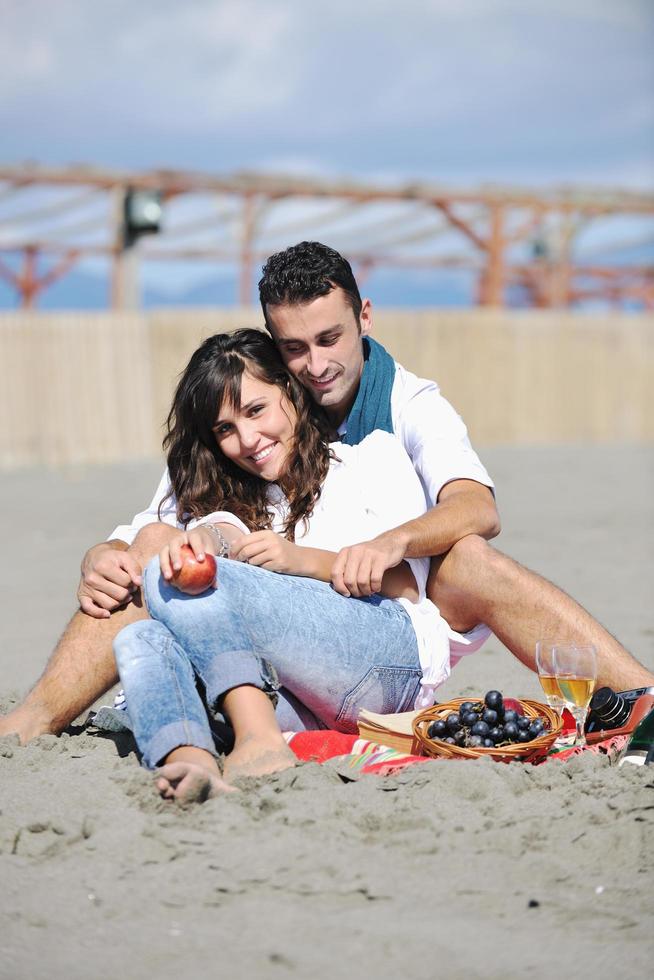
x,y
450,869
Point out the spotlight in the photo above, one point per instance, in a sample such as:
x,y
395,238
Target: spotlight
x,y
142,214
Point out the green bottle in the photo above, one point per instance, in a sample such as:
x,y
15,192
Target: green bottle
x,y
640,747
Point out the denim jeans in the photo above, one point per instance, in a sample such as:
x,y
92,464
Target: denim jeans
x,y
332,655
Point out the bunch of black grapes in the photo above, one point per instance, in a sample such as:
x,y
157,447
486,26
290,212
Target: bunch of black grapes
x,y
485,724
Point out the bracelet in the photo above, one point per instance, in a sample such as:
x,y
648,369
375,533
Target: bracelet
x,y
222,540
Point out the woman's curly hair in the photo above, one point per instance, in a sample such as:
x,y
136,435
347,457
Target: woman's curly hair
x,y
202,478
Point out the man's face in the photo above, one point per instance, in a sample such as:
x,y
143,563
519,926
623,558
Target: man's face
x,y
320,342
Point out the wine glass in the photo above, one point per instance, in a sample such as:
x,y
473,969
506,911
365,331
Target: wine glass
x,y
575,669
547,675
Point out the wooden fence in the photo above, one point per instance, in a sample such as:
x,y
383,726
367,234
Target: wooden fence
x,y
79,388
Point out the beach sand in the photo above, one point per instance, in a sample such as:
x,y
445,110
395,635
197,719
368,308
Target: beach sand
x,y
475,869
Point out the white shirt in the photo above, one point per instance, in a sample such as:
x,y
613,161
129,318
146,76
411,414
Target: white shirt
x,y
432,433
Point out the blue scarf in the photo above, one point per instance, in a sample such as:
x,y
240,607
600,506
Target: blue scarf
x,y
372,406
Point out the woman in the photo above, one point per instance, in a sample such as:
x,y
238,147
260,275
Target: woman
x,y
257,483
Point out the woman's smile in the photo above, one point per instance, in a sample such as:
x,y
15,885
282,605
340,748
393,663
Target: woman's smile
x,y
263,454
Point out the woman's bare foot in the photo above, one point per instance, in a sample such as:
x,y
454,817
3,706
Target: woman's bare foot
x,y
190,775
255,755
259,747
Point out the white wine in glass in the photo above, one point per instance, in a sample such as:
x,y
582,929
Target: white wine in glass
x,y
547,675
576,690
575,669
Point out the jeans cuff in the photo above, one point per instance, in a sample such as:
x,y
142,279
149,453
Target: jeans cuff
x,y
172,737
242,668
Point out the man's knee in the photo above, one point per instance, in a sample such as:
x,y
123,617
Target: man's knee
x,y
151,539
467,558
461,580
472,549
475,571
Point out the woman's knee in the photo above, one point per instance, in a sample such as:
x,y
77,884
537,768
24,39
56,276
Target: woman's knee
x,y
159,593
180,611
137,639
152,581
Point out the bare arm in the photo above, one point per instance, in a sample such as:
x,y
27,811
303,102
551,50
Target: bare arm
x,y
464,507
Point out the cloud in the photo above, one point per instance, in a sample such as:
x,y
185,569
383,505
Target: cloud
x,y
464,88
162,64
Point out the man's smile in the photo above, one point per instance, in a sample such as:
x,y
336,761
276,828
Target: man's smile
x,y
322,382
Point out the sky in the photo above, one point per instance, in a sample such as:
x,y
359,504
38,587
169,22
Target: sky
x,y
459,92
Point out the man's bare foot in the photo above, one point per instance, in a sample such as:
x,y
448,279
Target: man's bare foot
x,y
24,723
258,756
188,782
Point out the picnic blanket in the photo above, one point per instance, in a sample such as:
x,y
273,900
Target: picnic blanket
x,y
358,756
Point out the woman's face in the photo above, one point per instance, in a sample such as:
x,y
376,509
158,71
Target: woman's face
x,y
258,435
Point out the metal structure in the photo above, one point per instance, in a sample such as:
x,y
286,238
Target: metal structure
x,y
558,248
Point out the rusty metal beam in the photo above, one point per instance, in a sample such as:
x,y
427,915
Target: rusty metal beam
x,y
28,283
60,269
172,182
491,291
457,222
492,223
254,206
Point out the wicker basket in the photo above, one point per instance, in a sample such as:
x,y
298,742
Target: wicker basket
x,y
524,751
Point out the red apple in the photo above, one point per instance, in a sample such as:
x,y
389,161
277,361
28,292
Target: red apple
x,y
194,576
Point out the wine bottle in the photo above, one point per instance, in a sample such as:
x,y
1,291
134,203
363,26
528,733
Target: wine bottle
x,y
640,748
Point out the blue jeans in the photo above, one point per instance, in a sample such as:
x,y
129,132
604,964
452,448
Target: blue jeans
x,y
332,655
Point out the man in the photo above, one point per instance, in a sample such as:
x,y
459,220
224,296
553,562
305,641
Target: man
x,y
314,312
313,309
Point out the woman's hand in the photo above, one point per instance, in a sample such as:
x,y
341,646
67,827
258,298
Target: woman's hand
x,y
201,540
270,551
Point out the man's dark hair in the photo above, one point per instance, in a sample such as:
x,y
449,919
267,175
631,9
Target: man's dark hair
x,y
302,273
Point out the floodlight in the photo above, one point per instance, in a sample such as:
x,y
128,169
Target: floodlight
x,y
143,211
